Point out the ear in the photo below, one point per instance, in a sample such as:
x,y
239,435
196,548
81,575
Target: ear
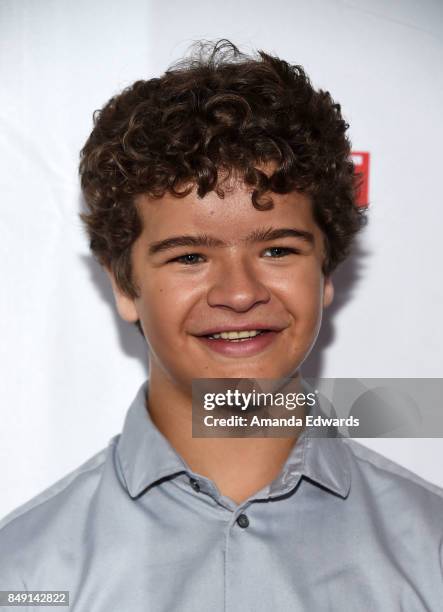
x,y
125,305
328,292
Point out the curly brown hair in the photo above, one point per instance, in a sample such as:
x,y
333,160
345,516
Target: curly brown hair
x,y
217,111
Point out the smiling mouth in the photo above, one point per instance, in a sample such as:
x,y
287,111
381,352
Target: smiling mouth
x,y
242,336
240,344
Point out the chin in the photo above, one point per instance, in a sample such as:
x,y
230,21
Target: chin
x,y
246,371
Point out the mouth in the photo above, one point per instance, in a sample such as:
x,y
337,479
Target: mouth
x,y
240,343
237,336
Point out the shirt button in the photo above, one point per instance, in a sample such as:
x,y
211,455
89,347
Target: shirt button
x,y
243,521
194,484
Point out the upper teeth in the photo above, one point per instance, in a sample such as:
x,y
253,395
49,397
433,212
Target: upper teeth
x,y
235,335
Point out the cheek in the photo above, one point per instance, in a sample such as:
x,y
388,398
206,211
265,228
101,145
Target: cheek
x,y
303,294
163,308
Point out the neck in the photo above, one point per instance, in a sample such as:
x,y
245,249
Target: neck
x,y
238,466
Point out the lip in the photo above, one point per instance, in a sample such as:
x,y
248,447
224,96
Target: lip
x,y
245,348
239,327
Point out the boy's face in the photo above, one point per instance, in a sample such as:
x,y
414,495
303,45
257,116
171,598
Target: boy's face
x,y
196,289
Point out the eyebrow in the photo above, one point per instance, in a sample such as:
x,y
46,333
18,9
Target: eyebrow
x,y
204,240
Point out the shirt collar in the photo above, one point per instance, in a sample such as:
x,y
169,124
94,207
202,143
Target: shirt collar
x,y
327,464
146,456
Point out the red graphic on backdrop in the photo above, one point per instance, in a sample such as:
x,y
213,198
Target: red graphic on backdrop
x,y
361,163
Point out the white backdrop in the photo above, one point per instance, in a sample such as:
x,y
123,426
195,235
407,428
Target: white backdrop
x,y
69,366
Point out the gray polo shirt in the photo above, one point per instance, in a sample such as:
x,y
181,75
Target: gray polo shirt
x,y
134,529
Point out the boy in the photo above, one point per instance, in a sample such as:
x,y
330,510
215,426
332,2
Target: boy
x,y
221,197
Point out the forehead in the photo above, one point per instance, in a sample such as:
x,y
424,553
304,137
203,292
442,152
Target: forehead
x,y
227,218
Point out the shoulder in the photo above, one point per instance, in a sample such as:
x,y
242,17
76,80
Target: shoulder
x,y
390,483
51,516
377,463
400,510
70,485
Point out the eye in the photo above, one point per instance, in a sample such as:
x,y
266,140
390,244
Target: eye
x,y
190,259
282,251
187,259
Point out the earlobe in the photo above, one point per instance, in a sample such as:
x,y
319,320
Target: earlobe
x,y
124,304
328,292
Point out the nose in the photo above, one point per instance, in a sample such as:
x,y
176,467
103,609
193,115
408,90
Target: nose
x,y
236,286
